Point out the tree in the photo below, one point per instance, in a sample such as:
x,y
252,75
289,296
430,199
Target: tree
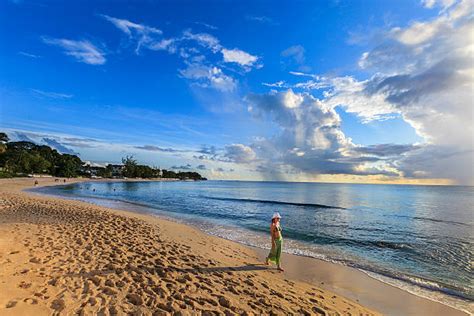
x,y
68,166
3,140
19,158
4,137
130,167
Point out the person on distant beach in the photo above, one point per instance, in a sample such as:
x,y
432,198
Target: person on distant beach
x,y
277,240
36,183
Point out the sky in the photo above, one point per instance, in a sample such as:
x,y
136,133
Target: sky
x,y
330,91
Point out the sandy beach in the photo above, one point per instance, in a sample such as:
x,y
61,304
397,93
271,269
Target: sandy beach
x,y
69,257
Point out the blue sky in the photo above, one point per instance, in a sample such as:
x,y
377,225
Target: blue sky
x,y
236,88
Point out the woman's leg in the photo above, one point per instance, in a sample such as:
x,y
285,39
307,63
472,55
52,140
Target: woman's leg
x,y
271,256
278,254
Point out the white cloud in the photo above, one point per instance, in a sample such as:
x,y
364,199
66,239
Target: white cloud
x,y
82,50
444,4
294,57
209,26
296,52
261,19
278,84
239,153
53,95
198,52
165,44
424,73
203,39
311,139
143,34
292,100
128,27
208,76
428,3
29,55
238,56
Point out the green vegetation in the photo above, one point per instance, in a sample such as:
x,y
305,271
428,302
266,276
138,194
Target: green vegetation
x,y
24,158
131,169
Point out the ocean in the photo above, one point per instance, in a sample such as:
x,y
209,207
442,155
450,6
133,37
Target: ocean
x,y
418,238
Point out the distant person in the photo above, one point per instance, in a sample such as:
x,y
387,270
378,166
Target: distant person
x,y
36,183
64,180
275,231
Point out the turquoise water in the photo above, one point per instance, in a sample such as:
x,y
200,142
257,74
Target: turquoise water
x,y
419,238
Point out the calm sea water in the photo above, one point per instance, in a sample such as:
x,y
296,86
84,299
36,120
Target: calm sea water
x,y
419,238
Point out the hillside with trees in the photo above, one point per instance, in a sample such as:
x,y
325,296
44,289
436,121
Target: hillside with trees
x,y
24,158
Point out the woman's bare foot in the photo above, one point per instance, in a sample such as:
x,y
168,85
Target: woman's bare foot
x,y
280,269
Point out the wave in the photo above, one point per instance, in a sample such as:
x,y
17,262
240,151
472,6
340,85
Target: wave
x,y
431,290
440,221
421,218
455,297
274,202
415,285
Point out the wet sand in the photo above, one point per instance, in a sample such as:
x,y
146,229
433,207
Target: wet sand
x,y
69,257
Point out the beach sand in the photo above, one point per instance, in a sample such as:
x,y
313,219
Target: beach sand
x,y
70,257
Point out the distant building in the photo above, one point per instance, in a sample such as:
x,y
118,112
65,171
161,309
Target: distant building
x,y
117,170
92,171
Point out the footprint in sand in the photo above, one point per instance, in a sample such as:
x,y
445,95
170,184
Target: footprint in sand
x,y
31,301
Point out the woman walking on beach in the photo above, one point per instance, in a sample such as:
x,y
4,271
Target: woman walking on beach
x,y
277,240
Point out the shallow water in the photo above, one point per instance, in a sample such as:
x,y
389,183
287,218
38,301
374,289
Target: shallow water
x,y
415,237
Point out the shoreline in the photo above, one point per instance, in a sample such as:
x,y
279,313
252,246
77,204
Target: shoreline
x,y
458,303
346,281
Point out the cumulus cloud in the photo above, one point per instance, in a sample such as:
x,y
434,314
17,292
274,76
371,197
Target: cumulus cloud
x,y
239,153
82,50
311,139
423,73
432,90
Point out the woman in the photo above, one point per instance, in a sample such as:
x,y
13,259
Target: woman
x,y
277,240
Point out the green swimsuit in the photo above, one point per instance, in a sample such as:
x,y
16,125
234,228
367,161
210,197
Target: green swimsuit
x,y
275,252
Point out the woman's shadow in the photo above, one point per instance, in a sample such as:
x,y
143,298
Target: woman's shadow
x,y
247,267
